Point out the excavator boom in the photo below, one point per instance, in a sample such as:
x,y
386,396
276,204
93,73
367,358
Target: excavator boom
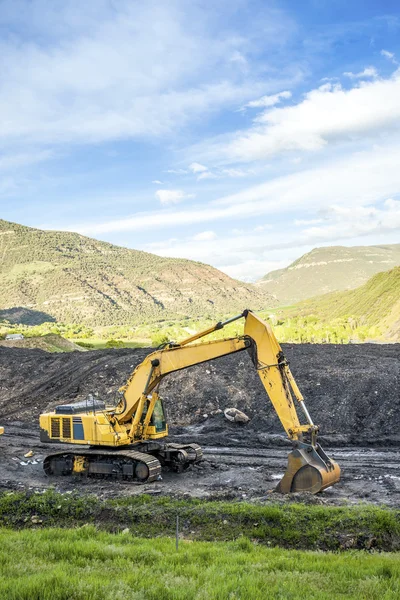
x,y
138,419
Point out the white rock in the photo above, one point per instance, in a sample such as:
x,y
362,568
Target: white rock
x,y
236,416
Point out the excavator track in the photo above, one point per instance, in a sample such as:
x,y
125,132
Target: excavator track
x,y
194,451
127,464
179,457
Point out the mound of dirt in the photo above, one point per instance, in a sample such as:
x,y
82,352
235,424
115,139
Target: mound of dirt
x,y
352,392
51,342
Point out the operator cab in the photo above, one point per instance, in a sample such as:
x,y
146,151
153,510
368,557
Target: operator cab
x,y
157,424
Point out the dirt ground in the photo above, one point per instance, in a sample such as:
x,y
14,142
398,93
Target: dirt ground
x,y
352,392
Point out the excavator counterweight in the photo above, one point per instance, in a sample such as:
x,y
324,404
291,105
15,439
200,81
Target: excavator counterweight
x,y
138,420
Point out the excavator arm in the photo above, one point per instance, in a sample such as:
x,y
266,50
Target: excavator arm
x,y
267,357
131,421
309,468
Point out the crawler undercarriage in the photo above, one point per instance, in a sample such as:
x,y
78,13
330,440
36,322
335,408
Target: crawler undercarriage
x,y
142,464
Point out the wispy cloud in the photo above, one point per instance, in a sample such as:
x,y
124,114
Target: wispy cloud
x,y
266,101
326,116
260,166
248,255
205,236
368,72
123,70
348,222
196,167
235,172
389,56
207,175
303,222
341,182
22,159
167,197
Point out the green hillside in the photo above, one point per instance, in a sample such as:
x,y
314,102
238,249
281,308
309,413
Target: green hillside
x,y
68,277
372,310
329,269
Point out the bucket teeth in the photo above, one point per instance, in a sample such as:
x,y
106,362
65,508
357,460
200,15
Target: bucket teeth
x,y
309,470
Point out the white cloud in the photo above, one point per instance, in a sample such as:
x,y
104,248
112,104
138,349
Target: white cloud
x,y
361,179
366,73
262,227
253,269
303,222
207,175
176,171
349,222
121,70
268,100
326,115
240,61
248,255
172,196
22,159
389,56
205,236
196,167
157,181
235,172
244,255
203,172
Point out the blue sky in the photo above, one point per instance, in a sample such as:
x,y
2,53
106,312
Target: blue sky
x,y
237,133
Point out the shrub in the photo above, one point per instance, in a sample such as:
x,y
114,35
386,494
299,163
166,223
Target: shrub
x,y
115,344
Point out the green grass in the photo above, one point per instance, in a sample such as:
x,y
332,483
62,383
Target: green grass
x,y
102,344
86,564
300,526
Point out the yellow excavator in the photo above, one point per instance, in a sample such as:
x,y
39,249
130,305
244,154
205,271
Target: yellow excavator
x,y
138,419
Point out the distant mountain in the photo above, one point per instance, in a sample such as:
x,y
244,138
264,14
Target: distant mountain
x,y
374,304
329,269
48,275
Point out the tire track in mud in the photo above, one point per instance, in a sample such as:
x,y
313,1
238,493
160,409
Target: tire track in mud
x,y
370,475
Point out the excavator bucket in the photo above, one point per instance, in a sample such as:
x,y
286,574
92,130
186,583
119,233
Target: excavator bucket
x,y
309,470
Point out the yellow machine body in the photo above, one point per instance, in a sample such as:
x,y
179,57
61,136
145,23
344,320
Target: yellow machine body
x,y
138,419
92,428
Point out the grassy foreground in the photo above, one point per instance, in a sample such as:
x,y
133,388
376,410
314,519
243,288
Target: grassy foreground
x,y
295,525
56,564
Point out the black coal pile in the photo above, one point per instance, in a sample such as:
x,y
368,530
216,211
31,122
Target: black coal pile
x,y
352,391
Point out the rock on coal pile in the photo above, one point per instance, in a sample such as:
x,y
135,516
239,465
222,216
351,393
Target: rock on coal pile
x,y
349,389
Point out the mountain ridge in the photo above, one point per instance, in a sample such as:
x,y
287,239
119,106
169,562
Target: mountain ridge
x,y
375,304
74,278
322,271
